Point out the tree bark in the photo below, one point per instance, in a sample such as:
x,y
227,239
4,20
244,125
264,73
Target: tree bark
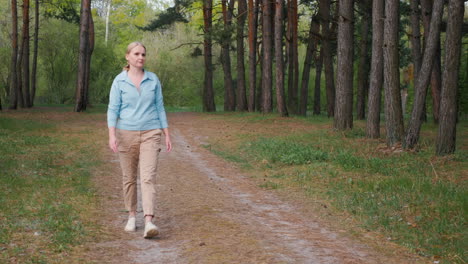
x,y
80,103
241,88
208,92
318,81
310,54
293,66
393,112
376,73
446,136
253,13
415,37
324,12
106,37
89,52
14,56
229,94
344,80
35,50
280,100
25,59
430,49
266,58
363,69
435,82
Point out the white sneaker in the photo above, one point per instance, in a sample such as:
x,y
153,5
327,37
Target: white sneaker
x,y
131,225
150,230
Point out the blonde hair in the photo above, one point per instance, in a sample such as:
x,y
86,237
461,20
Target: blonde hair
x,y
129,49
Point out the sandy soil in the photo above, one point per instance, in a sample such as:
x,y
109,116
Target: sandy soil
x,y
208,211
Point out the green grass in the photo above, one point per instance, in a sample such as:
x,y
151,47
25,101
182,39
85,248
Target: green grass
x,y
415,198
46,190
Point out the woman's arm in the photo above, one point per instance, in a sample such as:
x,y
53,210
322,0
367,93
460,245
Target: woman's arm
x,y
112,140
168,139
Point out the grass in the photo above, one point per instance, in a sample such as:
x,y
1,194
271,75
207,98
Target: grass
x,y
415,199
47,196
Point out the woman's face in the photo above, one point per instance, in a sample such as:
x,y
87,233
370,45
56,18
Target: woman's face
x,y
137,56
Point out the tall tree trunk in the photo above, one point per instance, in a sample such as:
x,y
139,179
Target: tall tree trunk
x,y
435,82
376,73
80,103
280,100
446,136
393,112
318,80
310,54
430,49
19,72
344,80
229,94
89,52
293,60
266,58
14,56
34,63
241,88
324,12
363,70
415,37
253,13
208,91
25,50
106,37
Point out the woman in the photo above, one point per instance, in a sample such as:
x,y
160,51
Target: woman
x,y
136,119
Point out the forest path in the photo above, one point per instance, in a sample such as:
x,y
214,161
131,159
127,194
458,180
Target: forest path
x,y
208,212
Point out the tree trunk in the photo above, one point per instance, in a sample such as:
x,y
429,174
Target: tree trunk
x,y
208,91
241,89
293,66
415,37
253,17
25,50
19,73
324,12
229,95
310,54
14,56
280,102
318,78
80,104
344,80
414,125
89,52
435,82
34,63
446,136
376,73
393,112
109,3
363,70
266,58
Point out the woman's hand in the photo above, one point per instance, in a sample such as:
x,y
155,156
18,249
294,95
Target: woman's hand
x,y
112,140
168,140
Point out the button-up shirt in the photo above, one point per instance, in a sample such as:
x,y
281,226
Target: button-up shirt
x,y
133,109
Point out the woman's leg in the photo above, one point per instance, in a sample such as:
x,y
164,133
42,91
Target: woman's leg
x,y
128,144
149,154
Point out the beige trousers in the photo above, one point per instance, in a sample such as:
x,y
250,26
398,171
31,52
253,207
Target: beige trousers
x,y
139,148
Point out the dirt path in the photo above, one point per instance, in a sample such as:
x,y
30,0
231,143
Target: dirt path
x,y
208,212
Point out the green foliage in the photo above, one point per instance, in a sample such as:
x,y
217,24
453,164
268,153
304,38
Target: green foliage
x,y
57,62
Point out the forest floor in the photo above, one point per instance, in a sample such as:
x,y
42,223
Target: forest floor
x,y
210,210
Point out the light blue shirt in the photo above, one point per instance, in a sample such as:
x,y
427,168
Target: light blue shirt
x,y
130,109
